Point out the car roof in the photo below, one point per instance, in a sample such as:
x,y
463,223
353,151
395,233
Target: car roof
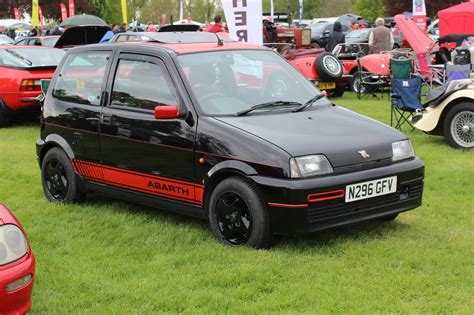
x,y
194,47
23,47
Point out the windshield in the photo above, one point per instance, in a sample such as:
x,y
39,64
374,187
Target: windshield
x,y
229,82
359,34
4,39
50,41
318,27
31,57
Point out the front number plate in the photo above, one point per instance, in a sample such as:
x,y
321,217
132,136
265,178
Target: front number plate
x,y
371,189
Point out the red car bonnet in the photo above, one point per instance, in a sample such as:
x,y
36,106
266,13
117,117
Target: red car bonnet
x,y
419,41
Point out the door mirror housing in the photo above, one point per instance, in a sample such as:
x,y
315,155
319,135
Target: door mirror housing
x,y
167,112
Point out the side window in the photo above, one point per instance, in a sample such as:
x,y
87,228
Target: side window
x,y
142,84
81,78
122,38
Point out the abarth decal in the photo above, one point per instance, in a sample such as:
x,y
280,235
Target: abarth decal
x,y
145,183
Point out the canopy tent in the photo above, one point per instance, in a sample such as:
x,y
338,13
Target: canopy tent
x,y
458,19
15,23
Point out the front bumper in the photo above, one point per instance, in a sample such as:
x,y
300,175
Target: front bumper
x,y
291,210
18,301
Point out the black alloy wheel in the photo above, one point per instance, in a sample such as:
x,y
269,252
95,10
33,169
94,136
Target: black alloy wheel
x,y
58,178
233,217
237,214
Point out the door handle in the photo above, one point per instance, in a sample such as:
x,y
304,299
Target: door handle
x,y
106,119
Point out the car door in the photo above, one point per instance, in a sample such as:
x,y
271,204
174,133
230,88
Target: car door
x,y
141,153
77,96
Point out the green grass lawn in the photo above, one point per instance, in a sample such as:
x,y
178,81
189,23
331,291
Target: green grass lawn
x,y
108,256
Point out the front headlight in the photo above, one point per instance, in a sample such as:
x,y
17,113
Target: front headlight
x,y
13,244
311,165
402,150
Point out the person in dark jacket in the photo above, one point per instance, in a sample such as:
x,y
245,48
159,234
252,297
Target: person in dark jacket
x,y
336,37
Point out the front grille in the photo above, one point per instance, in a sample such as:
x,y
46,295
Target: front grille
x,y
406,192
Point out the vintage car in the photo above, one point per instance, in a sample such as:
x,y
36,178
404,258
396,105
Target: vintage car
x,y
22,69
450,114
322,68
373,65
224,131
17,266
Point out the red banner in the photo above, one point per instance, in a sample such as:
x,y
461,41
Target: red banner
x,y
72,9
63,11
40,12
17,13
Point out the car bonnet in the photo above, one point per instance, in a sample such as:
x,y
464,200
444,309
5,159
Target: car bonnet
x,y
333,131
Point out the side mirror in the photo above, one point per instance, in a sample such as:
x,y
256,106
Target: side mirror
x,y
167,112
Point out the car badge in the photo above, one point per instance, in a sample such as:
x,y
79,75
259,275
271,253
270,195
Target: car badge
x,y
364,154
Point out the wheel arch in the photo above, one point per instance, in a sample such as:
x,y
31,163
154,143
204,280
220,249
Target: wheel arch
x,y
447,107
53,141
222,171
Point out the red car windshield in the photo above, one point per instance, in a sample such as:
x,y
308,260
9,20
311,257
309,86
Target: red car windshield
x,y
228,82
30,57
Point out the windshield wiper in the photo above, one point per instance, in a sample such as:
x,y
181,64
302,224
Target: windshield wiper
x,y
263,105
308,103
17,55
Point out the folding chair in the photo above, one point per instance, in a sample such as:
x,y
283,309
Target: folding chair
x,y
368,83
405,101
401,68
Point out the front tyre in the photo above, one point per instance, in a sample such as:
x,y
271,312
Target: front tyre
x,y
459,126
238,216
58,178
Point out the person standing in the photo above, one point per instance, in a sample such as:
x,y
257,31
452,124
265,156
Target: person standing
x,y
151,27
217,27
381,38
336,37
56,31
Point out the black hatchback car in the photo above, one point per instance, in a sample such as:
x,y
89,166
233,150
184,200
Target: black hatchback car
x,y
228,132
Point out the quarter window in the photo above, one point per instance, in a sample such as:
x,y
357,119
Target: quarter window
x,y
81,78
142,84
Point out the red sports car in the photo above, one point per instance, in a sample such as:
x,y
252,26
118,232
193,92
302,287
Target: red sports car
x,y
17,266
21,71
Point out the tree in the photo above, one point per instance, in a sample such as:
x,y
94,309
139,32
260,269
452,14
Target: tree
x,y
369,9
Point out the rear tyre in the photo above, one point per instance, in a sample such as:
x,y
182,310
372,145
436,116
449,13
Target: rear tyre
x,y
458,126
238,216
315,45
58,178
355,84
339,90
4,117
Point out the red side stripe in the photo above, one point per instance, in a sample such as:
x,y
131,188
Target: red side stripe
x,y
151,184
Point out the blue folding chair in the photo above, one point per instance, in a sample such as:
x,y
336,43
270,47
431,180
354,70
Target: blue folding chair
x,y
405,99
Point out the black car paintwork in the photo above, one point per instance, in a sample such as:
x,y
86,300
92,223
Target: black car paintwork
x,y
197,151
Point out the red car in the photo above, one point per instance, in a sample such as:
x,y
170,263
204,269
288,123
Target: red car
x,y
378,65
17,266
320,67
21,69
